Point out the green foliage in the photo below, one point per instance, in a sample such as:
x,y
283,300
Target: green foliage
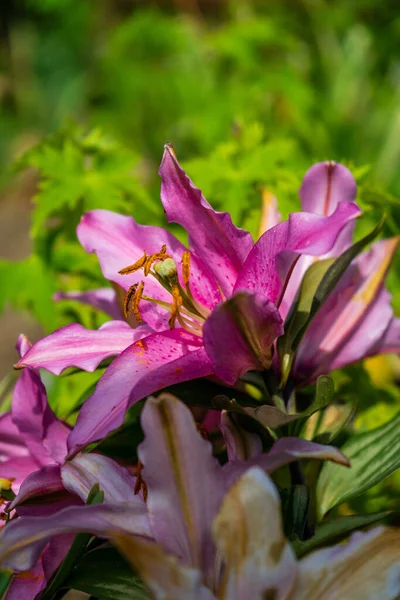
x,y
103,573
373,456
333,530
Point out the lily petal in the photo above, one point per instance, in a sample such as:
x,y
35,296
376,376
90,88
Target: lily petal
x,y
104,299
268,267
366,568
164,575
246,326
240,444
29,584
151,364
354,318
270,215
182,474
44,434
81,473
22,540
391,339
248,533
11,442
284,451
45,481
324,186
212,235
75,346
119,241
16,469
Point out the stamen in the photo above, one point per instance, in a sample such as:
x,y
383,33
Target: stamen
x,y
202,431
186,269
128,298
140,484
176,304
135,302
135,267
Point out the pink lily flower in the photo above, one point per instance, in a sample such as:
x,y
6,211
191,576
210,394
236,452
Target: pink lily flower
x,y
223,533
173,452
42,437
212,310
357,320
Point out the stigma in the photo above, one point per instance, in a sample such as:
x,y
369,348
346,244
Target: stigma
x,y
183,307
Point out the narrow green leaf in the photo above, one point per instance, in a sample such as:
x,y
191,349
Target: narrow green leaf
x,y
335,530
295,503
373,456
5,578
300,312
105,574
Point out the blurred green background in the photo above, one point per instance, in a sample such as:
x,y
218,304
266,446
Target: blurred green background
x,y
249,92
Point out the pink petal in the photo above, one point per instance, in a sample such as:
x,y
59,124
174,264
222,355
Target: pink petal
x,y
104,299
44,435
240,444
151,364
11,442
248,532
354,318
28,585
270,215
119,241
181,473
212,235
17,469
239,335
22,540
46,480
268,266
284,451
75,346
325,185
390,342
367,567
165,576
81,473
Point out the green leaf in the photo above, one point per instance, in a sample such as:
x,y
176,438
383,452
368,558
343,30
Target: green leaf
x,y
28,285
373,456
335,530
295,503
105,574
300,312
5,578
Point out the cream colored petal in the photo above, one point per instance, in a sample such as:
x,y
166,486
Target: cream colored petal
x,y
366,568
164,575
259,562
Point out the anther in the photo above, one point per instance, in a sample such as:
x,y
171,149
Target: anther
x,y
135,302
202,431
176,305
128,299
135,267
140,484
186,269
